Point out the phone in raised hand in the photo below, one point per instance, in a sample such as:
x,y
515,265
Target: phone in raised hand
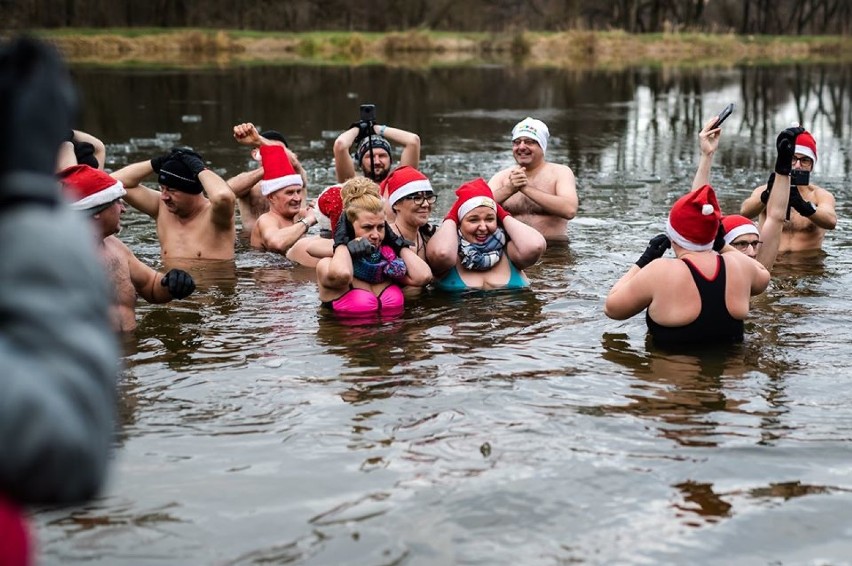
x,y
723,115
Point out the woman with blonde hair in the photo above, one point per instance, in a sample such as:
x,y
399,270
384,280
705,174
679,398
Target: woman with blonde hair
x,y
370,263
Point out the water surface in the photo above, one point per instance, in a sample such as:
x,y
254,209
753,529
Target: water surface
x,y
501,428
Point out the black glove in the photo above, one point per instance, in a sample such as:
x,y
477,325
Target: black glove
x,y
192,160
179,282
342,234
785,146
655,250
365,129
394,240
360,247
719,242
804,207
427,230
764,196
38,104
157,162
85,154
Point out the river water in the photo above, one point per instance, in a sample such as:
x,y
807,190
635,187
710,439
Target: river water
x,y
500,428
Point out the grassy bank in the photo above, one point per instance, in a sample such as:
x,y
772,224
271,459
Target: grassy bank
x,y
606,49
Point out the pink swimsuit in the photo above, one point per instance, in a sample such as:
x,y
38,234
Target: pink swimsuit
x,y
362,301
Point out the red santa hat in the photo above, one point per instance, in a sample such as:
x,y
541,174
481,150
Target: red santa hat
x,y
278,172
89,188
736,226
330,205
806,145
473,194
404,181
694,220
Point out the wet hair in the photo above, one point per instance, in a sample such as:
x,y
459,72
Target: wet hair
x,y
360,194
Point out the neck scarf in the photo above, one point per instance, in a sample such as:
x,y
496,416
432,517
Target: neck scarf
x,y
379,265
484,256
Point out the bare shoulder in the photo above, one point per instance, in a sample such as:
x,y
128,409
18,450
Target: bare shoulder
x,y
500,175
116,247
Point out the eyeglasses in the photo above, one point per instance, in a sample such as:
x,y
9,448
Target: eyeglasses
x,y
420,198
743,246
805,161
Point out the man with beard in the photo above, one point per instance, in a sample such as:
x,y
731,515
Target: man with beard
x,y
99,195
536,192
373,154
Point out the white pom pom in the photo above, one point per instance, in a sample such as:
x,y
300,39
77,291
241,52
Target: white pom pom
x,y
794,125
707,209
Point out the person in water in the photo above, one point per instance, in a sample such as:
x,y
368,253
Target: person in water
x,y
702,296
538,192
369,264
409,196
480,246
812,208
739,232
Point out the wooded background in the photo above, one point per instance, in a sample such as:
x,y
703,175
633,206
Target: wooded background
x,y
773,17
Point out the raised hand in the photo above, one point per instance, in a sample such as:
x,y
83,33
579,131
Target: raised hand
x,y
192,160
785,146
365,129
179,283
657,246
764,196
247,134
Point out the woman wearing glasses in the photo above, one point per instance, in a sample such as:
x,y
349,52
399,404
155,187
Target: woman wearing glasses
x,y
812,207
409,197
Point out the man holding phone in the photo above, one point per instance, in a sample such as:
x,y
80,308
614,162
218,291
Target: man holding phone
x,y
811,210
374,153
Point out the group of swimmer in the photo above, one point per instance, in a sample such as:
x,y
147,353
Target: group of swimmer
x,y
377,247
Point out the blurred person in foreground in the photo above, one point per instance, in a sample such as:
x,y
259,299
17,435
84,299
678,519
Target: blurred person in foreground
x,y
58,354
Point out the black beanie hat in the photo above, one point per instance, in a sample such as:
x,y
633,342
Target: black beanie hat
x,y
175,175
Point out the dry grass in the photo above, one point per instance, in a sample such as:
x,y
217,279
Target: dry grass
x,y
575,48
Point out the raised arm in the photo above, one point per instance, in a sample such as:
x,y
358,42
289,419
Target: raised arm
x,y
773,223
98,145
344,167
139,196
409,141
708,143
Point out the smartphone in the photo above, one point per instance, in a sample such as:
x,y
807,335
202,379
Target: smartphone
x,y
368,112
723,115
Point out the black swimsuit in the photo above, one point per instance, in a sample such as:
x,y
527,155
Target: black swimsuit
x,y
714,324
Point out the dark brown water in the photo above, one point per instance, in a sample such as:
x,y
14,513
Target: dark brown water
x,y
502,428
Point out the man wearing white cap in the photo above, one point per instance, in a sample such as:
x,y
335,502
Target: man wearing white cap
x,y
537,192
811,207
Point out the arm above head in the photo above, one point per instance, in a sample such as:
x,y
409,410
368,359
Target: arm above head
x,y
97,144
242,183
708,143
344,167
773,223
526,244
139,196
221,197
409,141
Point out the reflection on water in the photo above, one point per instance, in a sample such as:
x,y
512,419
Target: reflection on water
x,y
507,427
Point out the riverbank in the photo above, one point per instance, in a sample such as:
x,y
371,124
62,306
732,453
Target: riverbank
x,y
569,49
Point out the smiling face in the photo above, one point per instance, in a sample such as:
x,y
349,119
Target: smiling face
x,y
526,151
287,201
370,225
478,224
415,209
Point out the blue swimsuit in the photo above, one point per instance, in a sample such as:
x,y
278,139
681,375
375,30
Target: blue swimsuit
x,y
452,281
